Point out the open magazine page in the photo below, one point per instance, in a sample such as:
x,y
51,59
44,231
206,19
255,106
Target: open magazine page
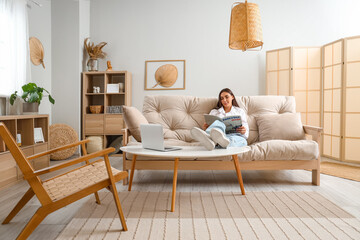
x,y
209,119
232,123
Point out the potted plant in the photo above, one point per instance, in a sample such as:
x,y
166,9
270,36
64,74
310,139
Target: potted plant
x,y
32,96
95,52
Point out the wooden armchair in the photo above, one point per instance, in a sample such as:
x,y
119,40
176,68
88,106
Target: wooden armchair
x,y
59,191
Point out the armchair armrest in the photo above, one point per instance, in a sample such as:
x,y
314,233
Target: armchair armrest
x,y
70,163
313,131
58,149
126,135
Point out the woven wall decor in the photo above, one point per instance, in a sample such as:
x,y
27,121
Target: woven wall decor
x,y
245,27
36,51
60,135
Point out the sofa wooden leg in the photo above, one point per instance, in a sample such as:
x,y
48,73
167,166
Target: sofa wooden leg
x,y
316,177
126,180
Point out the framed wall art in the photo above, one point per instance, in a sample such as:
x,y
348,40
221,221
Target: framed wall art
x,y
165,75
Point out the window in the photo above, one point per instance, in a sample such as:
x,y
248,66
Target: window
x,y
13,45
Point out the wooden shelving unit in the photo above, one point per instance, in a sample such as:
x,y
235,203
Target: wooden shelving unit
x,y
107,125
24,125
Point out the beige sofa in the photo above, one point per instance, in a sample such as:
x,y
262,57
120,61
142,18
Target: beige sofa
x,y
178,114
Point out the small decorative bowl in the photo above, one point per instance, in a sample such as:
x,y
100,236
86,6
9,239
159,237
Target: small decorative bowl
x,y
96,109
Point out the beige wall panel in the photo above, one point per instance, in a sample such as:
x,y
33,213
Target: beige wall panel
x,y
353,100
284,59
300,99
337,76
353,49
314,79
353,74
328,55
284,83
352,149
327,77
300,58
327,145
327,123
303,118
352,126
335,147
314,101
337,52
313,119
327,100
272,83
299,79
272,61
336,124
314,57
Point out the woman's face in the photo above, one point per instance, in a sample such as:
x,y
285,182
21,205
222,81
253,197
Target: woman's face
x,y
226,99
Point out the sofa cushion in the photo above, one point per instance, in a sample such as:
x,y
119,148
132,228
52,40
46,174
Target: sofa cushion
x,y
282,150
260,151
133,118
178,114
286,126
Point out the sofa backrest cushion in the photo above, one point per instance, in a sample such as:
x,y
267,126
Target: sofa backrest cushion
x,y
286,126
178,114
133,118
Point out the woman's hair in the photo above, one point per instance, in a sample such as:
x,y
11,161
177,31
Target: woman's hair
x,y
234,102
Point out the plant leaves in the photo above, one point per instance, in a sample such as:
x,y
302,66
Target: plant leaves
x,y
33,97
13,97
30,87
51,99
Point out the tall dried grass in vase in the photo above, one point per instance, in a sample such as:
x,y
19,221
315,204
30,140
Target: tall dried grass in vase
x,y
94,51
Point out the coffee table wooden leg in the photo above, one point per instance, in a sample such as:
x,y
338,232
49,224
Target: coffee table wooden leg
x,y
132,171
176,164
238,173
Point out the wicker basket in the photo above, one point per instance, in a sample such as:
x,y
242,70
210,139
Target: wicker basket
x,y
60,135
97,109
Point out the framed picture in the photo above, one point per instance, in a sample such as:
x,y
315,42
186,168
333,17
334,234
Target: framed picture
x,y
38,135
165,75
112,88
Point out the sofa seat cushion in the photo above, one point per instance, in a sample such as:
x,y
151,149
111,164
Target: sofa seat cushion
x,y
281,150
260,151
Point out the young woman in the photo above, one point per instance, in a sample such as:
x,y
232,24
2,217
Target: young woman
x,y
215,134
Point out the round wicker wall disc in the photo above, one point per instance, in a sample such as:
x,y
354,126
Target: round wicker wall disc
x,y
36,51
60,135
166,75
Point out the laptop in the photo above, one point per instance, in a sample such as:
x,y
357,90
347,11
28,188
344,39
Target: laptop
x,y
152,137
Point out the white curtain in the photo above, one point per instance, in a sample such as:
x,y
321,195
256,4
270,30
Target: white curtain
x,y
13,46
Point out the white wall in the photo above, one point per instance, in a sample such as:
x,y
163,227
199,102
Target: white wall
x,y
198,32
40,27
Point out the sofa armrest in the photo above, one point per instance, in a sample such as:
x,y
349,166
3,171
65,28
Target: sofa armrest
x,y
314,132
126,136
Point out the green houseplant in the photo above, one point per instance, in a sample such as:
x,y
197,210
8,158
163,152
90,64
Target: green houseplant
x,y
32,96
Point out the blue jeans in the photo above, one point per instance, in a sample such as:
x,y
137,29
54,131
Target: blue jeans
x,y
236,140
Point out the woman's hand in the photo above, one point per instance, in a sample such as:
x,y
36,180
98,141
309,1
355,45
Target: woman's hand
x,y
205,126
241,130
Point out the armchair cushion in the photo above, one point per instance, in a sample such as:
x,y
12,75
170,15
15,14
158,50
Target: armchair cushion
x,y
286,126
133,118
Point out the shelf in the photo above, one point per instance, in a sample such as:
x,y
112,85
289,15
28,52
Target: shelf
x,y
94,94
121,93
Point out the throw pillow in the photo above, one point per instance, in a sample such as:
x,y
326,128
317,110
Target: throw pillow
x,y
95,144
133,118
286,126
117,144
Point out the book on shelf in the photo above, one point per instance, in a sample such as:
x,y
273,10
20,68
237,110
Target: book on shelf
x,y
232,123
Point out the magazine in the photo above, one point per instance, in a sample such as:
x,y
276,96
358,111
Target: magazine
x,y
231,122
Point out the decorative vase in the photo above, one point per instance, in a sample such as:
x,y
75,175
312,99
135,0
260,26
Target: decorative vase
x,y
30,108
93,64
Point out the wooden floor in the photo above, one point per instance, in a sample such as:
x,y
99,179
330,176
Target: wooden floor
x,y
345,193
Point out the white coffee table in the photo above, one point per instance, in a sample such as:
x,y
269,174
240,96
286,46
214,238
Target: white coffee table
x,y
186,153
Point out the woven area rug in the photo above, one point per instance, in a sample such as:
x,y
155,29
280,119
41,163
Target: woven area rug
x,y
340,170
214,215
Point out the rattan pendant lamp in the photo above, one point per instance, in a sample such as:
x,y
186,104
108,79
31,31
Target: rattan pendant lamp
x,y
245,27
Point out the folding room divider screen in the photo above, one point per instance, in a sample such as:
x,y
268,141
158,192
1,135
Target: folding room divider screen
x,y
296,71
326,84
